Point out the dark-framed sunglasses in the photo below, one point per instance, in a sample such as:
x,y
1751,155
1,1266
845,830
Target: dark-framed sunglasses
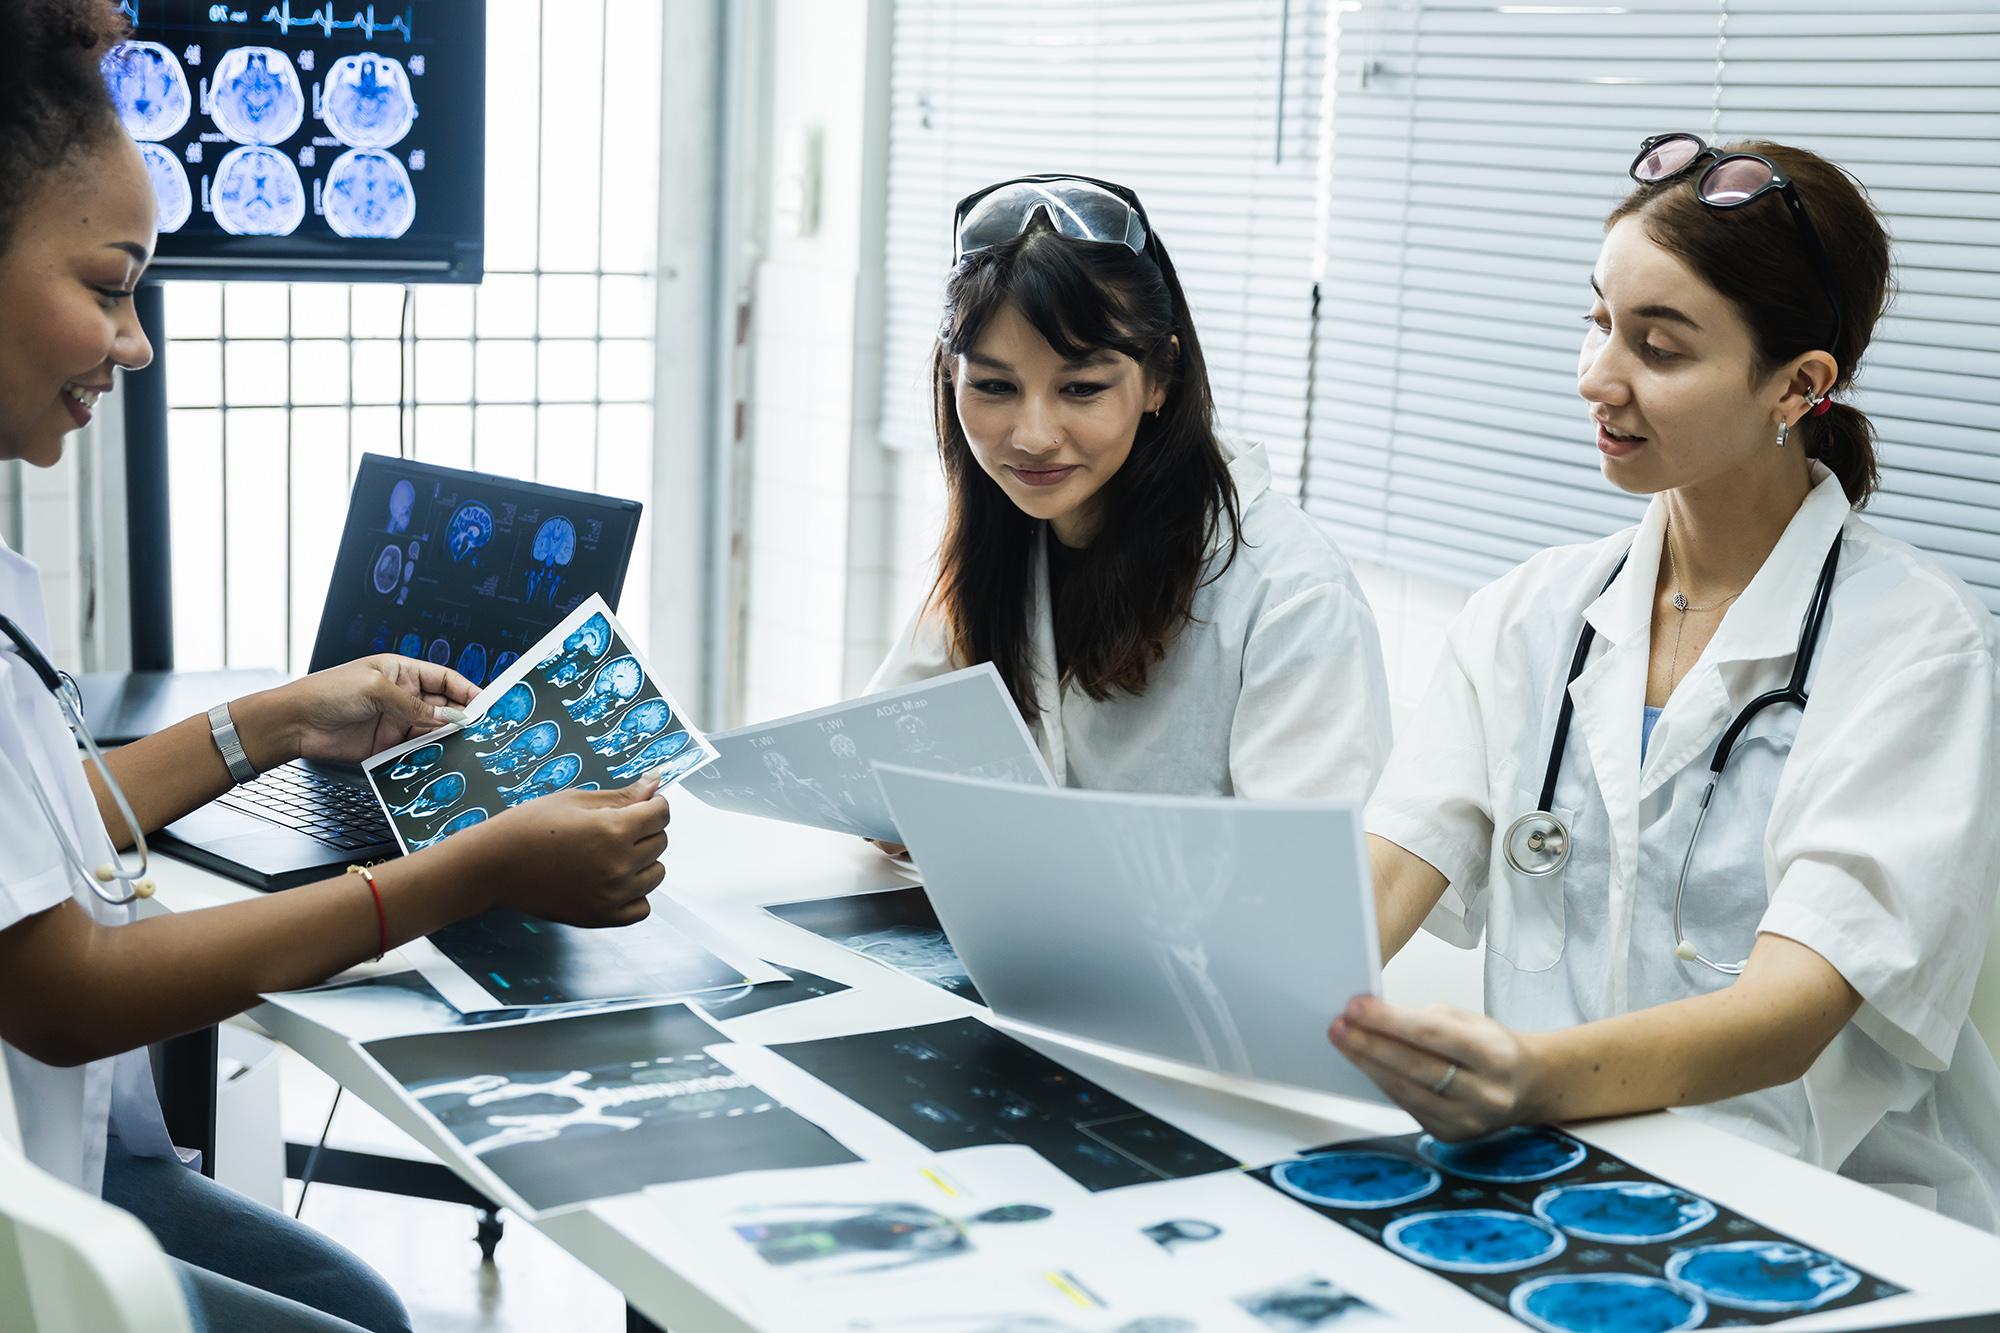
x,y
1732,180
1081,208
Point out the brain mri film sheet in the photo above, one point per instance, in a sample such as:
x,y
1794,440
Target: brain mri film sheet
x,y
817,768
564,1110
336,141
1565,1237
580,711
896,928
1220,933
962,1083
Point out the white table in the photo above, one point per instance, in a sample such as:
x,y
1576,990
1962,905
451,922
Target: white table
x,y
727,866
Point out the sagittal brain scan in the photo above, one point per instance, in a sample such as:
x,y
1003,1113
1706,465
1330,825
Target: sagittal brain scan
x,y
471,527
149,89
257,192
255,97
368,194
170,186
366,100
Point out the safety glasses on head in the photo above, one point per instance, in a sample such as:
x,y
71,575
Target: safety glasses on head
x,y
1078,207
1732,180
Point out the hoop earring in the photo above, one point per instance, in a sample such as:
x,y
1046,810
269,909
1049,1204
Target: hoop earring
x,y
1784,432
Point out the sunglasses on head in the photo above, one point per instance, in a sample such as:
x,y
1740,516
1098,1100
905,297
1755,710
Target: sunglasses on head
x,y
1078,207
1732,180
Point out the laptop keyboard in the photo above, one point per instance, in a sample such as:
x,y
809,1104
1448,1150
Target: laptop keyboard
x,y
335,813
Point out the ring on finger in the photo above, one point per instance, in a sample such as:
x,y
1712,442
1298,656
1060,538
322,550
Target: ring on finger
x,y
1442,1088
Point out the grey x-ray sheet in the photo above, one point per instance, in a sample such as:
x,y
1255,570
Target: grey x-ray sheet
x,y
817,768
582,711
1216,932
564,1110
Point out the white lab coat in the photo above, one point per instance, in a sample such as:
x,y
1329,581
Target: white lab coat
x,y
1275,690
64,1113
1862,828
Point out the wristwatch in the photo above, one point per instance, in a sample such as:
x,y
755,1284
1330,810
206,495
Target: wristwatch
x,y
223,728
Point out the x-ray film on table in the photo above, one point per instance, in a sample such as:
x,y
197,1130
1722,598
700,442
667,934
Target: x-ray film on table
x,y
1219,933
817,768
582,711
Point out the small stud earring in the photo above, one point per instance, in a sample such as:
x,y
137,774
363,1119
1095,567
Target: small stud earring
x,y
1784,432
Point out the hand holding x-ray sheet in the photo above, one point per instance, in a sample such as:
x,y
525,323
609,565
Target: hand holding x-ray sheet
x,y
817,768
1219,933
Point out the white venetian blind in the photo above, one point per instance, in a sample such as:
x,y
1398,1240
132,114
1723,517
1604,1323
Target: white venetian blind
x,y
1475,150
1210,109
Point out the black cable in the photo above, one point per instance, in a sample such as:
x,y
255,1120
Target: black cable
x,y
312,1158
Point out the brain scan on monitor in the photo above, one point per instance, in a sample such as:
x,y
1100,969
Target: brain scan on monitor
x,y
365,100
257,192
170,186
402,503
368,195
553,549
149,89
471,527
255,97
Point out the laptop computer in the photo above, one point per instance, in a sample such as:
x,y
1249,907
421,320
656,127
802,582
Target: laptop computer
x,y
458,568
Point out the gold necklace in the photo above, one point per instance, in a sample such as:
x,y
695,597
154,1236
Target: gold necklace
x,y
1681,605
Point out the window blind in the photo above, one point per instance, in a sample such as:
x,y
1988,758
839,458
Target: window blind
x,y
1210,109
1474,151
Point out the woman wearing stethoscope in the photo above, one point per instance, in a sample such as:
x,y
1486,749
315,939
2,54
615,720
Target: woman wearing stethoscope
x,y
1717,792
83,986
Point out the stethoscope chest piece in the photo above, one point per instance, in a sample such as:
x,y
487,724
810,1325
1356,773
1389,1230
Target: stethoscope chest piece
x,y
1537,844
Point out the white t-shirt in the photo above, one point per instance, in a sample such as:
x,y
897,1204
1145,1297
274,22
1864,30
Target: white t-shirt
x,y
1862,828
1275,690
64,1113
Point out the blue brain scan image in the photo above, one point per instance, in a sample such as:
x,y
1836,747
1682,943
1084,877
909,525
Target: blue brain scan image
x,y
547,779
257,192
420,760
1625,1212
616,682
637,725
1473,1240
553,549
653,756
1769,1276
365,100
1355,1179
369,196
255,96
1509,1157
436,796
471,527
439,651
1605,1303
388,571
509,713
411,644
530,746
149,89
457,823
170,186
472,663
402,505
584,645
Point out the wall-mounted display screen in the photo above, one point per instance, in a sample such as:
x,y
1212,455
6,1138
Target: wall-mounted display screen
x,y
296,141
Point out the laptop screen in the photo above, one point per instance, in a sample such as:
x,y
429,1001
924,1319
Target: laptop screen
x,y
465,569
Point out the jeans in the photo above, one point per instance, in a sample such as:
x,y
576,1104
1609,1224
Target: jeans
x,y
244,1266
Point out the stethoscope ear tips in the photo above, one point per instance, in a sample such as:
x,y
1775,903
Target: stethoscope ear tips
x,y
143,889
105,874
1685,951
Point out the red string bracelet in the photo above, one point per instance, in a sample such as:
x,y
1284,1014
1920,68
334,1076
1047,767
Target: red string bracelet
x,y
381,913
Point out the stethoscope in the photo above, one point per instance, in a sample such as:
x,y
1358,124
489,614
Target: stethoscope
x,y
69,700
1538,843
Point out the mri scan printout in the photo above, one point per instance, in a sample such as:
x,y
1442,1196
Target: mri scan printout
x,y
1220,933
817,768
580,711
977,1239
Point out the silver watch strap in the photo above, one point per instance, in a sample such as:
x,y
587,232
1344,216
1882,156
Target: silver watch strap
x,y
223,728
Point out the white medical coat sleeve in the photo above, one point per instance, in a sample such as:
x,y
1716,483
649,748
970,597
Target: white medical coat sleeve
x,y
1435,800
1312,714
34,877
1883,856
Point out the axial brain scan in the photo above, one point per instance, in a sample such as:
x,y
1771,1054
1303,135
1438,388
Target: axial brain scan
x,y
257,192
149,89
255,97
170,186
368,194
365,100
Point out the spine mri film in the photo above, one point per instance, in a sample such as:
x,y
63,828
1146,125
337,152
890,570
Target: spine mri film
x,y
254,95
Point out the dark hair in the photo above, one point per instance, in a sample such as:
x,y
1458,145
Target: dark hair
x,y
1756,258
53,98
1133,589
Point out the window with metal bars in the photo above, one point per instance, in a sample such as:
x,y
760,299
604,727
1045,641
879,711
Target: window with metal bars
x,y
543,371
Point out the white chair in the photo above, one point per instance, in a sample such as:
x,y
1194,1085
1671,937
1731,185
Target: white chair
x,y
1986,995
70,1263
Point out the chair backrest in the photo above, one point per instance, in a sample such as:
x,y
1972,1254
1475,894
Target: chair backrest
x,y
71,1263
1986,995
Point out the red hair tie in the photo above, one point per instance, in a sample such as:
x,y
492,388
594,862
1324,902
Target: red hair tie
x,y
1820,408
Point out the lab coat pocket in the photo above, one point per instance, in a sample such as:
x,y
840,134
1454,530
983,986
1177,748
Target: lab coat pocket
x,y
1525,922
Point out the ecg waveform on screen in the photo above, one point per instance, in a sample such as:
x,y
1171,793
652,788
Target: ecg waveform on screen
x,y
364,21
